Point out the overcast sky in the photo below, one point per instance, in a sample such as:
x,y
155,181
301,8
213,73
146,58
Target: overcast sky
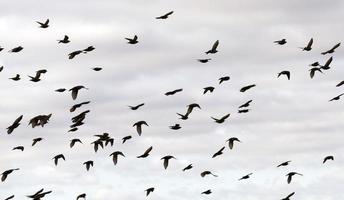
x,y
288,120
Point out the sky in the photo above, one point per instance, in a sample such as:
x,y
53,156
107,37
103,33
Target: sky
x,y
288,120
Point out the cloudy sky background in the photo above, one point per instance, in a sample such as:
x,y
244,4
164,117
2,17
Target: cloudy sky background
x,y
288,120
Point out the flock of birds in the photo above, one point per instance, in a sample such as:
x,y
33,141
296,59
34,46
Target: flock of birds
x,y
103,140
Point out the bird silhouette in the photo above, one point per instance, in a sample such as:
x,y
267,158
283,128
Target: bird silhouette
x,y
139,126
173,92
290,176
315,64
132,40
208,89
16,78
245,177
191,107
288,197
309,46
175,127
207,192
284,163
57,157
75,106
224,78
74,53
43,25
88,164
336,98
188,167
97,69
328,158
35,140
205,173
146,153
327,64
286,73
165,16
281,42
331,50
219,152
21,148
60,90
245,105
39,194
243,111
36,78
2,67
88,49
166,160
213,49
244,89
205,60
65,40
5,174
115,155
16,49
14,125
124,139
231,142
136,107
340,84
10,197
75,90
222,119
313,70
183,117
74,141
149,190
40,120
81,196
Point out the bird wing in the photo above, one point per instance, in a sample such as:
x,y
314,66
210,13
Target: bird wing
x,y
169,13
289,179
215,45
225,117
230,144
114,158
74,94
46,22
139,129
165,163
310,43
328,62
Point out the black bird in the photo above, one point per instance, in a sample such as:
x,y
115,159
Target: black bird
x,y
43,25
39,120
74,53
14,125
57,157
340,84
288,197
210,89
136,107
1,68
219,152
243,111
65,40
74,141
290,176
224,78
309,46
244,89
175,127
245,105
313,70
16,78
286,73
81,196
97,69
315,64
188,167
132,41
146,153
207,192
231,142
213,49
165,16
36,78
173,92
6,173
60,90
191,107
183,117
21,148
75,90
16,49
10,197
246,176
139,126
327,64
149,190
205,173
328,158
115,155
75,106
284,163
73,129
38,195
204,60
337,97
281,42
35,140
124,139
88,164
88,49
166,160
222,119
331,50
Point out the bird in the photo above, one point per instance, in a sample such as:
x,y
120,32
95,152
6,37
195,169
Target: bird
x,y
132,40
336,98
246,176
81,196
331,50
188,167
165,16
124,139
97,69
43,25
139,126
5,174
60,90
136,107
173,92
231,142
286,73
1,68
245,105
205,60
222,119
149,190
74,53
328,158
14,125
191,107
146,153
219,152
244,89
75,90
340,84
309,46
166,160
290,176
39,194
1,48
57,157
65,40
175,127
288,197
74,141
21,148
75,106
183,117
35,140
213,49
115,155
224,78
36,78
327,64
243,111
88,164
281,42
284,163
207,192
315,64
16,49
313,70
40,120
205,173
210,89
10,197
16,78
88,49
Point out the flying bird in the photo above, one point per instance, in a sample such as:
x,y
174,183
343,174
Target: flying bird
x,y
124,139
166,160
65,40
146,153
136,107
74,53
207,192
88,164
290,176
208,89
165,16
35,140
213,49
115,155
16,49
5,174
288,197
188,167
175,127
222,119
97,69
205,173
281,42
132,40
173,92
284,163
88,49
244,89
331,50
336,98
36,78
139,126
21,148
340,84
183,117
224,78
328,158
75,106
43,25
16,78
245,177
204,60
14,125
231,142
191,107
10,197
57,157
245,105
81,196
39,194
327,64
313,70
219,152
60,90
315,64
149,190
286,73
243,111
309,46
75,90
74,141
